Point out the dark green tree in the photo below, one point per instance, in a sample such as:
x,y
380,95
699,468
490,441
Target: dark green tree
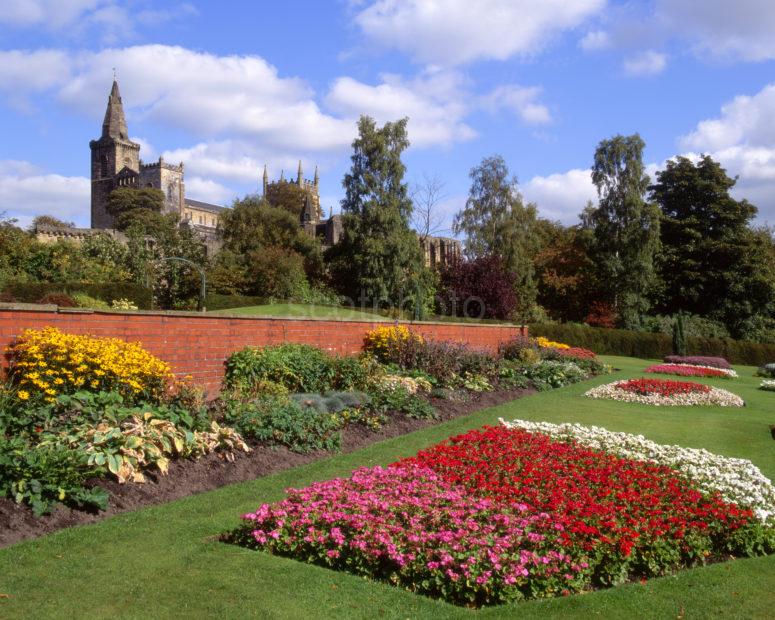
x,y
497,222
378,259
126,204
712,263
625,227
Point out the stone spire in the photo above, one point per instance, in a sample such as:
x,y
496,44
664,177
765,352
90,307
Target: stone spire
x,y
299,175
114,125
266,179
317,177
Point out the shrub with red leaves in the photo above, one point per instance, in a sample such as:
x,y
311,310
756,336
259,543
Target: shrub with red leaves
x,y
579,353
662,387
601,314
480,288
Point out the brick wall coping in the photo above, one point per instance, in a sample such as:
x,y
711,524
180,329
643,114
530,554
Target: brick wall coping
x,y
7,307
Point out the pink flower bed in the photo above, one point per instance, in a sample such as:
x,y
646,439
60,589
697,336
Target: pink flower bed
x,y
698,360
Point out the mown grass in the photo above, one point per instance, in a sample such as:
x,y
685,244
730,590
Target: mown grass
x,y
304,311
166,561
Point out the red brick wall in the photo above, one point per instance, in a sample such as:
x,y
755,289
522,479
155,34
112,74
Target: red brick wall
x,y
198,345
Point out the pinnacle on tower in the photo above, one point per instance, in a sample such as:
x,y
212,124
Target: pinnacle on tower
x,y
317,177
266,179
299,175
114,125
282,175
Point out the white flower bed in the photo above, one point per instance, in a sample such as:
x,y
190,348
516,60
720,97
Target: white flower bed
x,y
768,384
716,396
738,480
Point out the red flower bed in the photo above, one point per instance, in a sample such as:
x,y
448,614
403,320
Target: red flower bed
x,y
662,387
686,371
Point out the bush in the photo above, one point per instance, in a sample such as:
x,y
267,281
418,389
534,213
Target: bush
x,y
698,360
297,367
285,422
553,374
400,400
63,300
481,288
47,363
512,349
31,292
394,344
653,346
83,300
767,370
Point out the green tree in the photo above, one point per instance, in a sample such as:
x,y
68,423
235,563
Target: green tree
x,y
286,195
709,251
497,222
127,204
379,257
625,227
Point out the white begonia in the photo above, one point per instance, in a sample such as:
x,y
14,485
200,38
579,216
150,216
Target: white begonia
x,y
716,396
768,384
738,480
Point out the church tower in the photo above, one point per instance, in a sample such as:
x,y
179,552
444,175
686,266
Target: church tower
x,y
115,160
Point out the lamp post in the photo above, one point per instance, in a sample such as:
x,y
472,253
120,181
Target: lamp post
x,y
203,288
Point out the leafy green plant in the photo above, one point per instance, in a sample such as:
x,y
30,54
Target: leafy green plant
x,y
400,400
767,370
550,374
298,367
43,475
284,422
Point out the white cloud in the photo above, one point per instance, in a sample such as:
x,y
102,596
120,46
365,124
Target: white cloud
x,y
51,13
450,32
595,40
746,120
649,62
25,192
433,102
208,190
23,72
741,30
522,100
561,196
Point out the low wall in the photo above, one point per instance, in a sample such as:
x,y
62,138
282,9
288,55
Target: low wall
x,y
198,344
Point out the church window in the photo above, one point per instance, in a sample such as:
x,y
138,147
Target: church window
x,y
104,166
200,219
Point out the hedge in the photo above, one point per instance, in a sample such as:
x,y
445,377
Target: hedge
x,y
31,292
215,301
650,345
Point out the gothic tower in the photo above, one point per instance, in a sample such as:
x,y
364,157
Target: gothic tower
x,y
115,160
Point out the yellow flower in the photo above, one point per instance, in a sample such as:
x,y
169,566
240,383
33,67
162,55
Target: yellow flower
x,y
23,394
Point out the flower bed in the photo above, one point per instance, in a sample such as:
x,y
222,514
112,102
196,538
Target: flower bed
x,y
689,370
738,480
501,514
768,385
661,392
698,360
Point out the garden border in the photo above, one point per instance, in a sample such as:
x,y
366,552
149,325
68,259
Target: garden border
x,y
197,344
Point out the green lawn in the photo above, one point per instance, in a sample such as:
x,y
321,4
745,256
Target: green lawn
x,y
165,561
304,311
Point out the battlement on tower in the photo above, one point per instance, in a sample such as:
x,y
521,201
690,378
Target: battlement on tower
x,y
161,164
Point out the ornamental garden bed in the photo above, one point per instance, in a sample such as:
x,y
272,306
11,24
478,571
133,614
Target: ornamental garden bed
x,y
520,511
662,392
93,426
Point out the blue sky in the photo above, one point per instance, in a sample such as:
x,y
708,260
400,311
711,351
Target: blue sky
x,y
228,86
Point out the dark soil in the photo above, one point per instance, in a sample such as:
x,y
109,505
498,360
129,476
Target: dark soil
x,y
187,477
